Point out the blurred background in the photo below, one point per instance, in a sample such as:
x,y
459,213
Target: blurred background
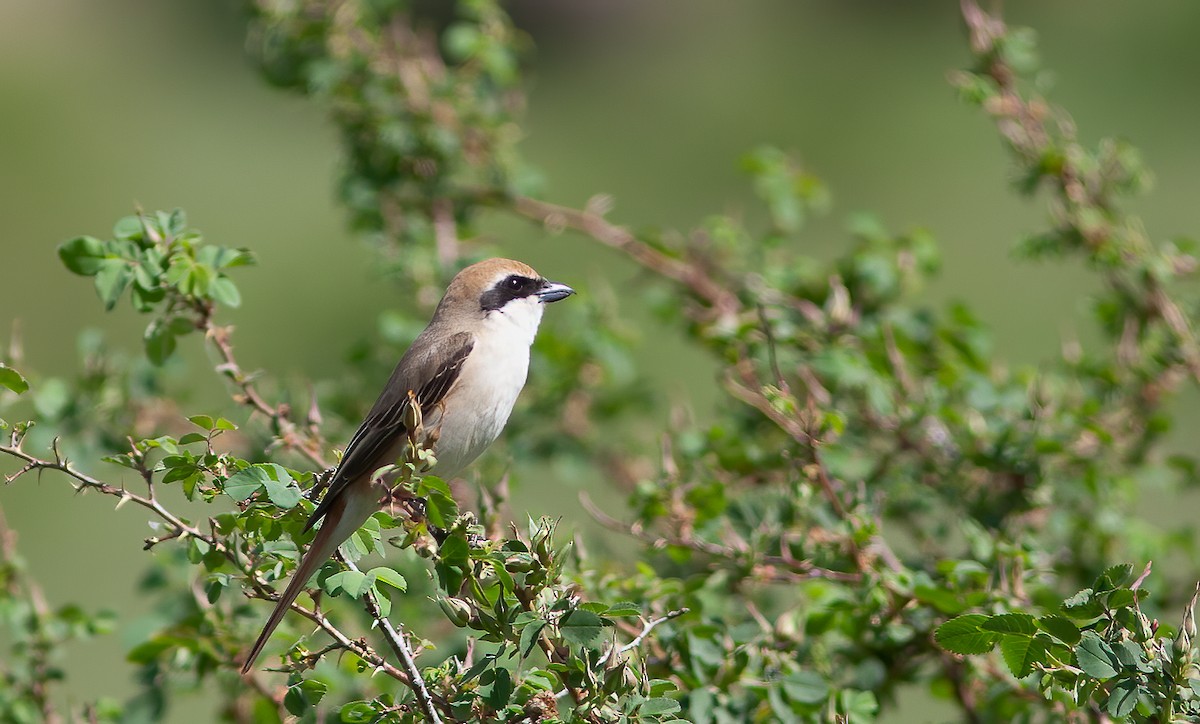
x,y
108,105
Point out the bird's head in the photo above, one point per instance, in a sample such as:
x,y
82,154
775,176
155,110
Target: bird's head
x,y
504,293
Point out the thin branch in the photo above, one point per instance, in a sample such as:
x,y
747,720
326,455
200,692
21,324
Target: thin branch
x,y
592,223
399,645
646,629
179,529
305,442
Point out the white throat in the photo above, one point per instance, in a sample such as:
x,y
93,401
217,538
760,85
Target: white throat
x,y
516,322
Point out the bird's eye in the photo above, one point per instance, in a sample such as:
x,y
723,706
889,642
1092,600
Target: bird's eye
x,y
515,283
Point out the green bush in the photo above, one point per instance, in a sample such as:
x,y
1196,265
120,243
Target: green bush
x,y
880,503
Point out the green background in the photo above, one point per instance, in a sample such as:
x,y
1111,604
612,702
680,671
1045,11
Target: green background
x,y
108,104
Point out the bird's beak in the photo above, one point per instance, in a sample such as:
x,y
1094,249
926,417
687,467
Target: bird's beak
x,y
553,291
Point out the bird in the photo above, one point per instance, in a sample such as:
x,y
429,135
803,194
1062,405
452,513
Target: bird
x,y
463,373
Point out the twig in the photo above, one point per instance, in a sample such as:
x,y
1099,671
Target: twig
x,y
306,442
723,302
399,645
1023,124
646,629
179,529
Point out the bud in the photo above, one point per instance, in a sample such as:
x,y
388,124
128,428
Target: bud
x,y
457,610
412,413
1181,647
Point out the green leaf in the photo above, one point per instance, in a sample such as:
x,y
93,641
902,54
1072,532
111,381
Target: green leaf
x,y
1061,628
390,577
1017,624
455,552
82,255
1120,598
1123,698
354,583
204,422
623,608
502,689
1083,606
1096,657
357,712
129,228
281,489
224,291
964,635
529,637
12,379
581,628
243,484
1113,577
112,276
658,706
1021,653
805,687
159,342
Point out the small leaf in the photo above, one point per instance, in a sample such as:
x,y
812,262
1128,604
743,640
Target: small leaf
x,y
204,422
1123,698
224,291
159,342
82,255
129,228
658,706
529,637
1113,577
1083,605
1096,657
806,687
502,689
454,552
12,379
1022,653
354,583
357,712
1017,624
582,628
623,608
964,635
1120,598
243,484
390,577
1061,628
112,276
281,489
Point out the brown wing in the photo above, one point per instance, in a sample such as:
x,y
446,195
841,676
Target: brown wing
x,y
429,379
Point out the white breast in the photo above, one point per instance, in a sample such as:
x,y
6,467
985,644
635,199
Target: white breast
x,y
478,405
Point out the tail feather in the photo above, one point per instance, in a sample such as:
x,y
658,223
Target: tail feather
x,y
343,519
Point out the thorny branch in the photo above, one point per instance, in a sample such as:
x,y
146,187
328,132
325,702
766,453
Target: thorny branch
x,y
305,442
400,646
741,380
1025,123
177,528
649,626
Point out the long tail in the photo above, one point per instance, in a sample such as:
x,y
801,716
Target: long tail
x,y
343,518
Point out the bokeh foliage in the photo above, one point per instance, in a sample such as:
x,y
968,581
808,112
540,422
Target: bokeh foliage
x,y
880,503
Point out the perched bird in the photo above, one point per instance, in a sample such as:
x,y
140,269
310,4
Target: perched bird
x,y
464,372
